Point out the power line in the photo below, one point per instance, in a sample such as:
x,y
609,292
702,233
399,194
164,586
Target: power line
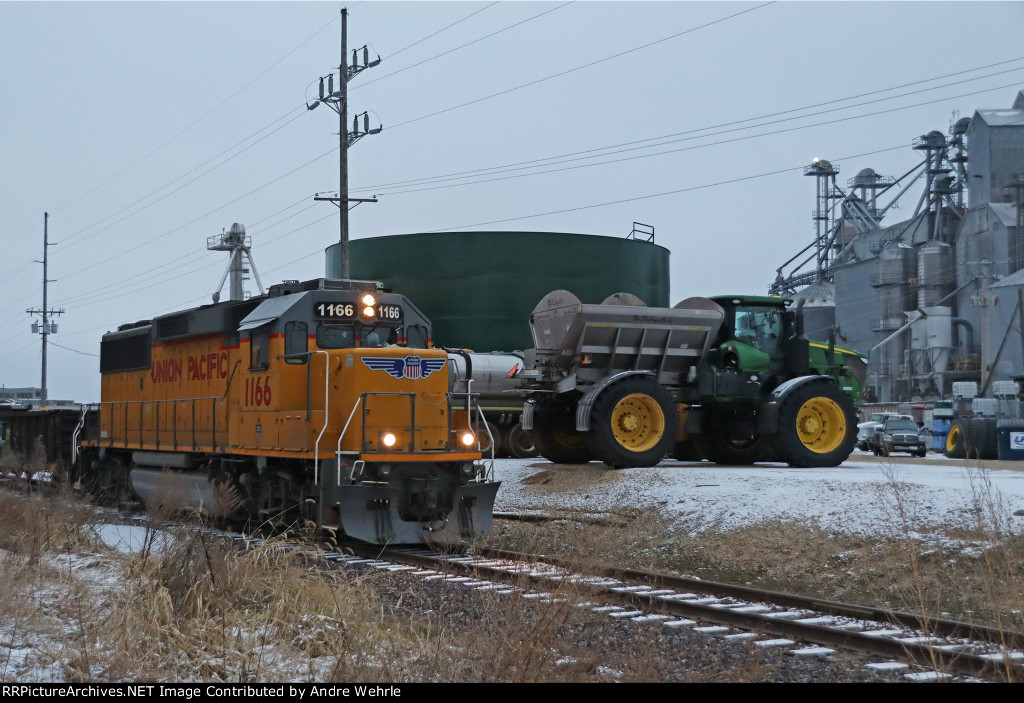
x,y
713,127
586,65
463,46
676,150
659,195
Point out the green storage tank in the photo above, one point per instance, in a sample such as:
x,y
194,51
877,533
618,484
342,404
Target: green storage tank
x,y
479,288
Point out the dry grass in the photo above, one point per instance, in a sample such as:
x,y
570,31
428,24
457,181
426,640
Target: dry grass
x,y
188,608
973,570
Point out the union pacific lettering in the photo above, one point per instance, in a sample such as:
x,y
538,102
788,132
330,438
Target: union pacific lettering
x,y
199,368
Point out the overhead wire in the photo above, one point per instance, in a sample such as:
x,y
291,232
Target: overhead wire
x,y
661,138
582,66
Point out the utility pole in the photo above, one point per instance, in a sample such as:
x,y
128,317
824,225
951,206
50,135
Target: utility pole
x,y
337,100
47,327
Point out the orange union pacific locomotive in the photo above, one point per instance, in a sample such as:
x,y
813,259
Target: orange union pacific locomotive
x,y
320,400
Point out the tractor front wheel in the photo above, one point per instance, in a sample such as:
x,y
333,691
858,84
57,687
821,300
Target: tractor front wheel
x,y
817,426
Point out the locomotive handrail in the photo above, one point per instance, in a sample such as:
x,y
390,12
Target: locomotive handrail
x,y
78,430
158,401
327,404
337,451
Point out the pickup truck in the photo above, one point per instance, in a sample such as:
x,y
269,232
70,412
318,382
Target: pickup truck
x,y
897,435
866,430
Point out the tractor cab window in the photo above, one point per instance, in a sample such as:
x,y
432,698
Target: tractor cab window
x,y
759,327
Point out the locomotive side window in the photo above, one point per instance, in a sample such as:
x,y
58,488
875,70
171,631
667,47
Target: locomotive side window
x,y
259,350
334,336
296,341
416,336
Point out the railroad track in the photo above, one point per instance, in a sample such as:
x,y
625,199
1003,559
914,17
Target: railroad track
x,y
808,627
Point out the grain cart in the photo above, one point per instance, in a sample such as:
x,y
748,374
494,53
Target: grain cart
x,y
731,379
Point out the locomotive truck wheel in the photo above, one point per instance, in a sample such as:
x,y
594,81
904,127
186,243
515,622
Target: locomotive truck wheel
x,y
633,423
554,431
817,426
519,442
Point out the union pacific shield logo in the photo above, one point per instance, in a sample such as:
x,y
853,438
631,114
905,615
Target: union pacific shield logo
x,y
412,367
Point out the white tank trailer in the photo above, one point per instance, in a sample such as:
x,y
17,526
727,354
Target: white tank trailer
x,y
493,377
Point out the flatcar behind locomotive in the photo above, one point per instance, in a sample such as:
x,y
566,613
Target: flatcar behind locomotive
x,y
320,400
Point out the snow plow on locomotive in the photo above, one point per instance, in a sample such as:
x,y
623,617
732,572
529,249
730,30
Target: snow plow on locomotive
x,y
321,401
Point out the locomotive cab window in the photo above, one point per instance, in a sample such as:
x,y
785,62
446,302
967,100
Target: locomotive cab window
x,y
296,341
334,336
259,349
416,336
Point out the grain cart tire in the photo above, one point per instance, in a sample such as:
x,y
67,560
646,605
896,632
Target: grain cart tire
x,y
723,442
480,429
817,426
687,450
519,442
958,438
634,422
554,431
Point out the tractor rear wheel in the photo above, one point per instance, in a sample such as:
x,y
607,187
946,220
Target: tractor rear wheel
x,y
634,423
817,426
554,431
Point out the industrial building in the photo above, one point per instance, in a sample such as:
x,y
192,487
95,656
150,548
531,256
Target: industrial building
x,y
934,299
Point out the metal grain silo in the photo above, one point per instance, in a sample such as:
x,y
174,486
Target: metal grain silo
x,y
935,273
479,288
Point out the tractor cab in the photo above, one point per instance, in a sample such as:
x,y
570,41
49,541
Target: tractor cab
x,y
759,337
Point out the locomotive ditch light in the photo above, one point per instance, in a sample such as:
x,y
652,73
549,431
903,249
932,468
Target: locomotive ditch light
x,y
388,439
468,439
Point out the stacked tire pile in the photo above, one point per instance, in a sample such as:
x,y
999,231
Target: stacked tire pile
x,y
995,429
972,438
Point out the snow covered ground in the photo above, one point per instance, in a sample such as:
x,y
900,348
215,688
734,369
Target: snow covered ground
x,y
858,497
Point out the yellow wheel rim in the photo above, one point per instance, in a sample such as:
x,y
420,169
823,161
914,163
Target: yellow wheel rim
x,y
821,425
638,422
952,437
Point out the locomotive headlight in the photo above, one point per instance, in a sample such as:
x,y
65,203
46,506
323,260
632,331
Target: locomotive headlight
x,y
368,311
468,439
369,300
388,439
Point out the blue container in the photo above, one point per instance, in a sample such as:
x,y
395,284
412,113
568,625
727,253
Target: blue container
x,y
941,425
1011,443
939,442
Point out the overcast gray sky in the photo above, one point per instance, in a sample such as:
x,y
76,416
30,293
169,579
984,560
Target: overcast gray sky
x,y
144,128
